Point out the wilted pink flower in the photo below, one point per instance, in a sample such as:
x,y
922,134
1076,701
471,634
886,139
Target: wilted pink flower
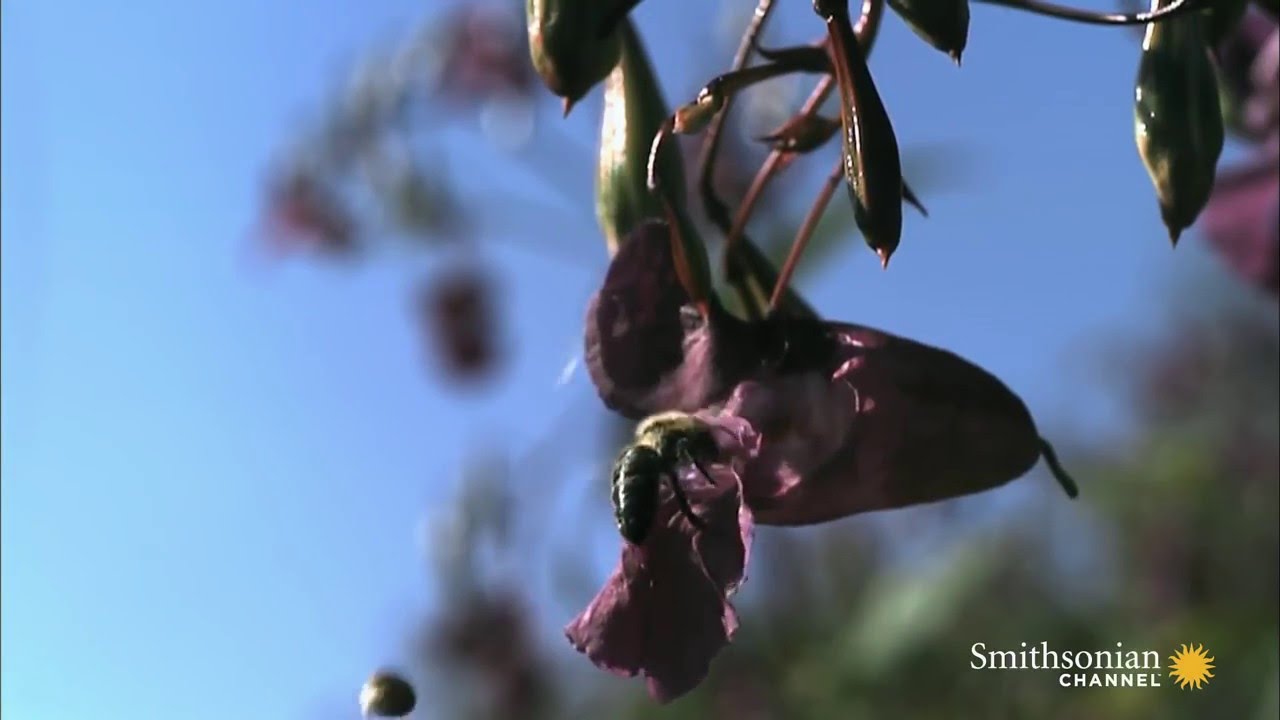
x,y
459,315
302,212
665,612
817,421
484,54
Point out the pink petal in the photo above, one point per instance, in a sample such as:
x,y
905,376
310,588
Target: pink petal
x,y
892,423
646,347
664,611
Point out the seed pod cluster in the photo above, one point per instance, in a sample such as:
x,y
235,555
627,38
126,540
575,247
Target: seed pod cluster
x,y
1177,117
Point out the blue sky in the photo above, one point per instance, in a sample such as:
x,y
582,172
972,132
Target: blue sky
x,y
213,469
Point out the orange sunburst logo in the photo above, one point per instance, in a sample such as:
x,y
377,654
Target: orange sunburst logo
x,y
1191,666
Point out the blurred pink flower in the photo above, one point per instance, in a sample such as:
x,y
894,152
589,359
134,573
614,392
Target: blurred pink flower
x,y
484,54
460,317
302,212
1242,219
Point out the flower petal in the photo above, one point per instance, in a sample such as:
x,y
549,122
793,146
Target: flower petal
x,y
889,423
647,348
664,611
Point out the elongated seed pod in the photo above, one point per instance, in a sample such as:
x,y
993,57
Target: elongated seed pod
x,y
1177,117
943,24
872,165
567,47
634,112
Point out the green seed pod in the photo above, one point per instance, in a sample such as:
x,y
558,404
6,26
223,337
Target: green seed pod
x,y
567,47
634,112
872,165
943,24
386,694
1177,117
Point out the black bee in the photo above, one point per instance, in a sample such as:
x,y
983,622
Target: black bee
x,y
662,443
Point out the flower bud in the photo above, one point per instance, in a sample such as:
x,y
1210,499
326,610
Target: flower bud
x,y
943,24
1177,118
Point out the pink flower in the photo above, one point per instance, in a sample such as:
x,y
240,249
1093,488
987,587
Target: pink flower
x,y
664,612
483,54
1242,219
459,313
814,420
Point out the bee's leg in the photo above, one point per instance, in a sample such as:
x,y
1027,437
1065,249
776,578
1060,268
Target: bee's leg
x,y
683,503
682,451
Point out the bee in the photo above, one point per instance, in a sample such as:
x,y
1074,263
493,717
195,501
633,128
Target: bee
x,y
662,444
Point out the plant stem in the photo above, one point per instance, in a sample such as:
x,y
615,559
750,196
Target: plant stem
x,y
767,170
866,30
711,202
805,232
736,271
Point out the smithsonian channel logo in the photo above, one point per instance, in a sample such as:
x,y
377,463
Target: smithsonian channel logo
x,y
1189,666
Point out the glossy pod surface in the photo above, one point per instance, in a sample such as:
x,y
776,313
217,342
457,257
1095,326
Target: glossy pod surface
x,y
1177,118
566,45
